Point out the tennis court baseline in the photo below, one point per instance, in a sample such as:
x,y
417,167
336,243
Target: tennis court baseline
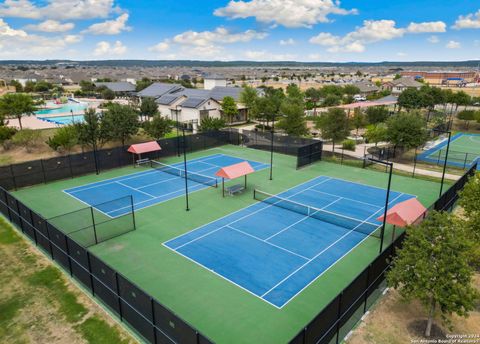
x,y
155,185
275,248
464,151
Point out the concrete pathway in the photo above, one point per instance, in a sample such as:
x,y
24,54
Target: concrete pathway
x,y
360,150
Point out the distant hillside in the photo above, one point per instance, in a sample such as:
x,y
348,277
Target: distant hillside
x,y
285,64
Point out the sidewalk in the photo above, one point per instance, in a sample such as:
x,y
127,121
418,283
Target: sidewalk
x,y
361,148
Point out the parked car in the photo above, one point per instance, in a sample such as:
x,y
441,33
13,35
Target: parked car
x,y
359,98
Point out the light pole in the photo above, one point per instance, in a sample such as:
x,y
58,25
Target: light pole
x,y
73,117
388,164
185,168
446,156
271,147
178,136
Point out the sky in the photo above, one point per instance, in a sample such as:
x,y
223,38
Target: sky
x,y
257,30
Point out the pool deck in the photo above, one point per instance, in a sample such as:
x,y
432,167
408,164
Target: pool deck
x,y
32,122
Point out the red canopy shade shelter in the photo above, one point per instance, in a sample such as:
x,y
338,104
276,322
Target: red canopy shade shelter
x,y
405,213
234,171
409,212
141,148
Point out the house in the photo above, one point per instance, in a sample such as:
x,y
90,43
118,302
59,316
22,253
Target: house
x,y
366,88
399,85
191,105
121,88
211,81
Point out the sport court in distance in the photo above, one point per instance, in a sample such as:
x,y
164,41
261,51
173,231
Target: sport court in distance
x,y
152,186
275,253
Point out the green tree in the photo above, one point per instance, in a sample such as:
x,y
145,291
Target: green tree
x,y
18,86
377,114
410,99
158,126
148,107
121,122
334,126
108,94
29,86
376,133
26,138
87,86
314,95
16,105
65,138
91,132
249,97
351,90
293,121
229,108
467,116
43,86
358,120
461,98
295,94
142,84
434,267
406,130
470,196
210,123
331,100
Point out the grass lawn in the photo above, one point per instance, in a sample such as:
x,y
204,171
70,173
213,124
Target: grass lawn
x,y
220,310
39,305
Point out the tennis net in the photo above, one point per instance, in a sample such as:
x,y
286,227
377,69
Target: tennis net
x,y
360,226
196,177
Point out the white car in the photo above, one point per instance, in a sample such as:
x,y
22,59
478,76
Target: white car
x,y
359,98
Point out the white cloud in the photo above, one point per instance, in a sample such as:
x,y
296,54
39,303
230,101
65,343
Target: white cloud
x,y
51,25
6,30
58,9
104,48
20,43
71,39
266,56
110,27
470,21
289,13
289,41
160,47
453,45
400,54
219,35
315,56
372,31
437,26
433,39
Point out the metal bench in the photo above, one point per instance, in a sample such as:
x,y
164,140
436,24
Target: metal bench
x,y
234,189
141,162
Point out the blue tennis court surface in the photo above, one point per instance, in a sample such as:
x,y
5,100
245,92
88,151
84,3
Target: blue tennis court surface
x,y
275,253
152,186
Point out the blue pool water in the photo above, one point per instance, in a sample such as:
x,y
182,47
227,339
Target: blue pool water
x,y
66,108
63,120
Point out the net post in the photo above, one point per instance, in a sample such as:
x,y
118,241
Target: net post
x,y
133,213
94,227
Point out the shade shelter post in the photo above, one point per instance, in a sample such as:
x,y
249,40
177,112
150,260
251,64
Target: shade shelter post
x,y
233,172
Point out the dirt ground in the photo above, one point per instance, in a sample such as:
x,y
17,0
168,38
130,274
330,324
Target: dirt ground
x,y
393,321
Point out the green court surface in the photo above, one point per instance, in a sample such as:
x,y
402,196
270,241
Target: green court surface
x,y
219,309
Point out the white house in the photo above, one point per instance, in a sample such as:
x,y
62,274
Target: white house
x,y
211,81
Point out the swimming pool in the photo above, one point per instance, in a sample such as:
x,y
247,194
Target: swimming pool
x,y
63,109
63,120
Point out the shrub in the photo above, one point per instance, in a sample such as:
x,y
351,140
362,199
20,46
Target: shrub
x,y
349,145
210,123
26,138
64,138
6,133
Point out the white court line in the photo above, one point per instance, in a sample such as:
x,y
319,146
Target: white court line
x,y
241,218
349,199
323,251
219,275
307,217
129,187
135,175
266,242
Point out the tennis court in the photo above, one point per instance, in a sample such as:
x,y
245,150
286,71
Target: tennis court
x,y
155,184
464,151
276,247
